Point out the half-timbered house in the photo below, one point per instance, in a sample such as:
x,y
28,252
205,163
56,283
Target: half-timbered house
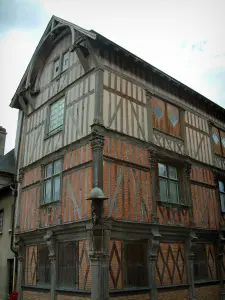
x,y
121,176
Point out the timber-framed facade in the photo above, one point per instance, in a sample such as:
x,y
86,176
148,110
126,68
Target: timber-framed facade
x,y
121,177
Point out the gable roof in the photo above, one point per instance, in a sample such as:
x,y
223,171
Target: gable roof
x,y
96,36
8,163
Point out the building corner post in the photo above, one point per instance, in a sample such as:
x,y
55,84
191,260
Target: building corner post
x,y
20,250
190,245
154,243
219,261
50,241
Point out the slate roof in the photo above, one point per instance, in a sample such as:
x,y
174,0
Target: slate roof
x,y
8,163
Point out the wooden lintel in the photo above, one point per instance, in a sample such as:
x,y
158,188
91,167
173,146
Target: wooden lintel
x,y
23,105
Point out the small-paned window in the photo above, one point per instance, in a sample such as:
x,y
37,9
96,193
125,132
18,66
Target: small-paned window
x,y
166,117
1,219
218,138
67,264
52,182
136,264
222,195
43,273
200,263
168,183
65,61
56,68
56,115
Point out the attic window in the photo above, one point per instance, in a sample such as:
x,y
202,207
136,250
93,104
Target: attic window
x,y
65,61
56,68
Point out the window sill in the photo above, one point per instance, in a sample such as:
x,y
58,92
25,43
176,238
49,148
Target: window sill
x,y
72,290
36,287
206,282
52,133
173,205
50,203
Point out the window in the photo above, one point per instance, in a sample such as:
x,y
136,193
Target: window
x,y
222,195
136,264
1,219
168,183
65,61
43,266
56,68
166,117
52,182
200,263
218,138
56,115
67,264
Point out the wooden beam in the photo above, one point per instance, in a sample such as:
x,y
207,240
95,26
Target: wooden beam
x,y
29,99
23,105
83,60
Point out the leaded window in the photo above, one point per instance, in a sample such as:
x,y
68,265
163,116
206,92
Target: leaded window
x,y
56,118
43,277
168,183
136,264
200,263
67,264
222,195
52,182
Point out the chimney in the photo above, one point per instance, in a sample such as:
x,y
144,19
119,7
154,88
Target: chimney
x,y
2,140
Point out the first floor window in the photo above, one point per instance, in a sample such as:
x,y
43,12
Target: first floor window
x,y
200,263
52,182
43,277
67,264
1,219
56,118
222,195
136,264
168,183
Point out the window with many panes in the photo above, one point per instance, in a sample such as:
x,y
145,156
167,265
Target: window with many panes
x,y
136,264
56,117
67,264
43,272
168,183
218,138
1,219
222,195
200,263
52,182
166,117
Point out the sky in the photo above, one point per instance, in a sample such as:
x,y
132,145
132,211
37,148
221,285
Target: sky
x,y
183,38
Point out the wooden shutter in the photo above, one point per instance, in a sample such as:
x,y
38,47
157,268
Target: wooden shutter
x,y
159,114
216,141
173,120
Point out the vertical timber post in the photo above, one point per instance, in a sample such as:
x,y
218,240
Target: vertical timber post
x,y
152,258
50,241
187,192
219,261
20,246
191,243
99,233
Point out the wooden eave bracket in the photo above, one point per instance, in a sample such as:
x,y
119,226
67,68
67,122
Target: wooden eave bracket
x,y
22,104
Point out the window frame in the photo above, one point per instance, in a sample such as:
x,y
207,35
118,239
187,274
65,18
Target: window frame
x,y
126,265
199,264
48,265
2,220
223,193
60,58
76,268
52,177
59,128
222,148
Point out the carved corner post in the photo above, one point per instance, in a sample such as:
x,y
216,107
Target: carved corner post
x,y
190,245
219,262
149,96
154,243
187,191
51,244
153,162
99,231
19,245
98,114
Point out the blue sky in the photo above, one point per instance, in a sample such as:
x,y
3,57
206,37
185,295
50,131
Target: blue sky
x,y
184,38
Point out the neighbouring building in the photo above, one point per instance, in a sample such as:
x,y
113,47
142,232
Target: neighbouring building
x,y
7,174
121,176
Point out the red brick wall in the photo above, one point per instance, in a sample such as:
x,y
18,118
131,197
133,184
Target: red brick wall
x,y
208,293
36,295
133,201
77,157
115,264
84,266
173,216
174,295
171,253
202,175
32,176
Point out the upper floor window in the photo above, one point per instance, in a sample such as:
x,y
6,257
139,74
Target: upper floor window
x,y
166,117
43,276
65,61
56,118
1,219
56,67
61,64
222,195
52,182
218,137
136,264
200,263
168,183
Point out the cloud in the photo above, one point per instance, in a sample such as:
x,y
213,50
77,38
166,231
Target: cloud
x,y
20,14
